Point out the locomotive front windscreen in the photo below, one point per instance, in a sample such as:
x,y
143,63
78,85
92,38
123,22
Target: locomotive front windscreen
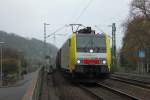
x,y
85,42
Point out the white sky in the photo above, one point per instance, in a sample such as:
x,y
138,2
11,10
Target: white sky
x,y
26,17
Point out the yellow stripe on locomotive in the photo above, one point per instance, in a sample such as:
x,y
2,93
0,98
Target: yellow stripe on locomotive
x,y
108,51
72,52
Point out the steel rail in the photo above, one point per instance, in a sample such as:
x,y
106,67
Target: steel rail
x,y
140,81
142,84
87,90
118,91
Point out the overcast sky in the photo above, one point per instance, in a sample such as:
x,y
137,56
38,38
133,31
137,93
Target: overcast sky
x,y
26,17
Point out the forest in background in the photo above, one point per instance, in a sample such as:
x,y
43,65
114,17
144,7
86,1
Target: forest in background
x,y
21,55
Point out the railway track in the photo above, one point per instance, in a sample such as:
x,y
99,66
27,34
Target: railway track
x,y
92,94
104,92
118,92
139,83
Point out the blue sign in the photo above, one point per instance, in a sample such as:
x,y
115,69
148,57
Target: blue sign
x,y
141,53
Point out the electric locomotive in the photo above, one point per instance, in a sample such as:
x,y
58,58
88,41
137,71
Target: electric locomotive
x,y
85,55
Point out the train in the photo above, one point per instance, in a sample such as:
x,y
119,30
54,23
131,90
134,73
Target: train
x,y
85,55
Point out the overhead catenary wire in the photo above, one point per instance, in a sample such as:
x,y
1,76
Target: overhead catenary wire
x,y
78,17
57,30
76,9
99,29
84,10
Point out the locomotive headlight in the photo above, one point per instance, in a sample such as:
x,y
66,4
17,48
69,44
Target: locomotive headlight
x,y
91,50
78,61
104,61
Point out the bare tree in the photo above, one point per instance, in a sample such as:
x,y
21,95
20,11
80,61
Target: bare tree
x,y
137,32
141,8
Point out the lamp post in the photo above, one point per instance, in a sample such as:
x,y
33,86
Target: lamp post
x,y
1,62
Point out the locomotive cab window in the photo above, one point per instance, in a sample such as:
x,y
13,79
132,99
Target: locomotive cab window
x,y
96,42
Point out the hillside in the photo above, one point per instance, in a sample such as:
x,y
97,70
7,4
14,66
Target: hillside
x,y
33,49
